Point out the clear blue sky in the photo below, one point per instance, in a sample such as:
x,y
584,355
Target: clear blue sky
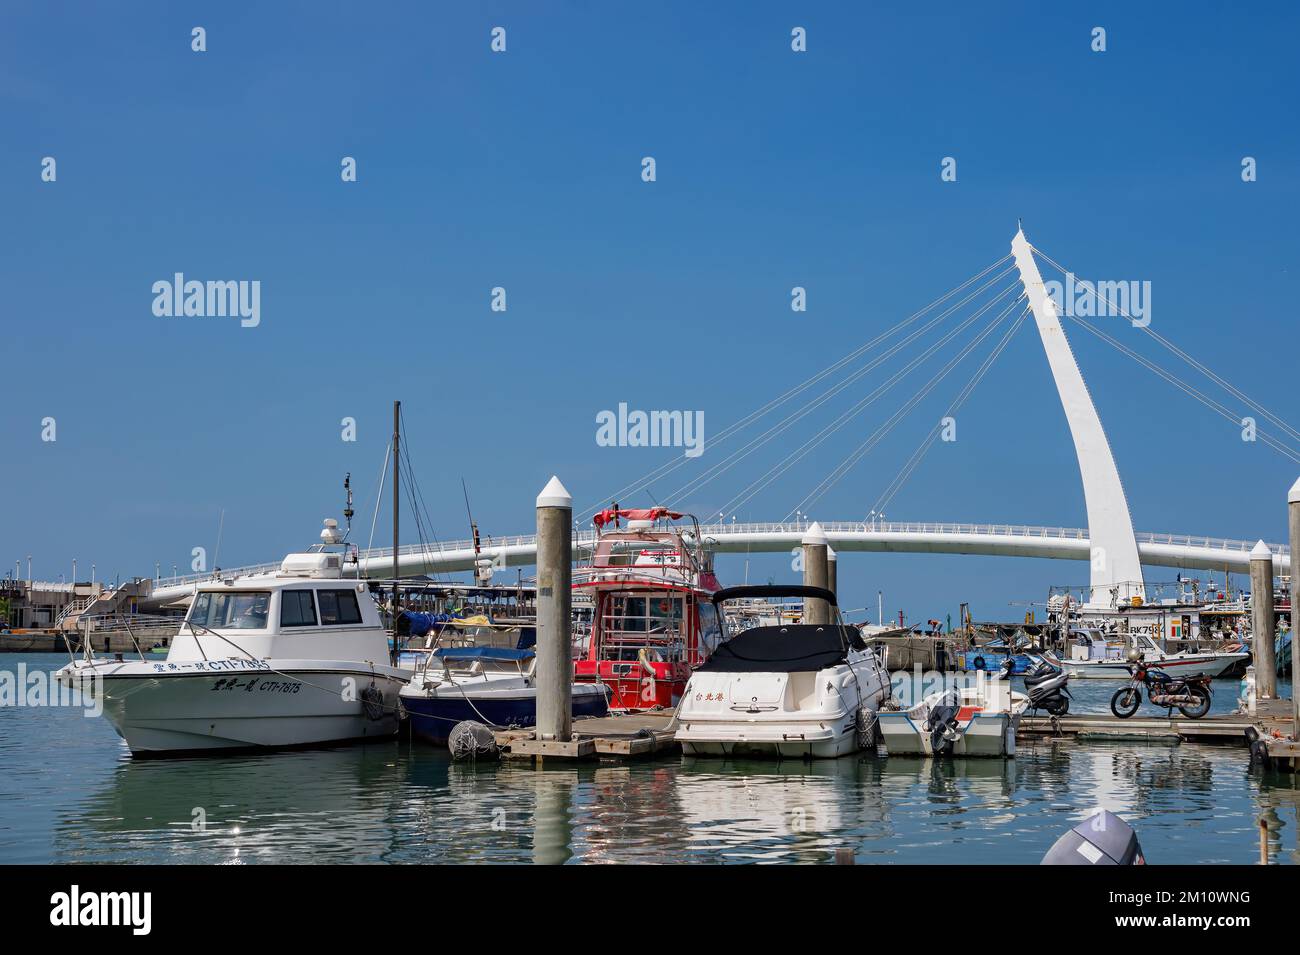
x,y
522,170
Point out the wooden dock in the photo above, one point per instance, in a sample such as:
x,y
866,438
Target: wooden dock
x,y
635,735
1211,729
625,736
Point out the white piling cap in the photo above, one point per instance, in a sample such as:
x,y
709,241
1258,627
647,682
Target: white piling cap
x,y
554,495
815,535
830,552
1294,496
1261,552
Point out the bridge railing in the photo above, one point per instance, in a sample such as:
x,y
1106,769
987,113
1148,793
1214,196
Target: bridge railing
x,y
586,538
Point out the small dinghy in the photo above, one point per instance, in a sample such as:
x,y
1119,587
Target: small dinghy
x,y
979,720
490,685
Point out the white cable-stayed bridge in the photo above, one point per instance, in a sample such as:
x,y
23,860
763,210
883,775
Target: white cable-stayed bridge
x,y
990,302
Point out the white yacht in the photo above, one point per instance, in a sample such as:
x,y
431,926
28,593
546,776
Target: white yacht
x,y
293,657
791,690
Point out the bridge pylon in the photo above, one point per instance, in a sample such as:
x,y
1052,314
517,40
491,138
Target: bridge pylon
x,y
1116,568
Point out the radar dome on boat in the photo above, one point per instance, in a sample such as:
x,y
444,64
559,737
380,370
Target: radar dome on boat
x,y
331,535
318,565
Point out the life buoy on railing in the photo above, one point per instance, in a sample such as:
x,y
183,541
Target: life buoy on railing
x,y
978,663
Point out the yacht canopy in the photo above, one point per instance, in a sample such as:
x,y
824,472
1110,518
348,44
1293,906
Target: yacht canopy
x,y
612,515
802,648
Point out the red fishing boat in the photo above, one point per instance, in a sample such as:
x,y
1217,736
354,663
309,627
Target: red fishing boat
x,y
652,619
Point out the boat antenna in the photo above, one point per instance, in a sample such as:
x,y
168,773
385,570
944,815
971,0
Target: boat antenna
x,y
221,525
473,531
347,509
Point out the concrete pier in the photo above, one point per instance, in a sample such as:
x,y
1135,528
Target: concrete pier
x,y
1263,622
554,603
815,573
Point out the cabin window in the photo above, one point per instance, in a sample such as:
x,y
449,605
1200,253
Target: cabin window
x,y
238,610
297,609
338,607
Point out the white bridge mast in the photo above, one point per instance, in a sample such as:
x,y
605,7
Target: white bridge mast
x,y
1115,563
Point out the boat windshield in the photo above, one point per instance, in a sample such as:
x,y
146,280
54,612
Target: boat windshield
x,y
239,610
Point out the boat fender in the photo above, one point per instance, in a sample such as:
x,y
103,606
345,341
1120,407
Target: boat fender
x,y
866,727
372,701
470,739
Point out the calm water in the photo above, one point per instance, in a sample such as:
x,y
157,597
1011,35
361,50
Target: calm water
x,y
70,793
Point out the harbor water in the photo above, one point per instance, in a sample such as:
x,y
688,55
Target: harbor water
x,y
70,793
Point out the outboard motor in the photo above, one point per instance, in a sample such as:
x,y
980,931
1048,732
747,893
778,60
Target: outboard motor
x,y
1102,839
1046,686
941,724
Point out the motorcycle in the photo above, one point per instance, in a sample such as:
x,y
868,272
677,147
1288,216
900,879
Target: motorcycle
x,y
1191,694
1046,686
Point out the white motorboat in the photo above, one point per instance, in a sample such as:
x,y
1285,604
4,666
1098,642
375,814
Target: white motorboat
x,y
791,690
294,657
1092,656
978,720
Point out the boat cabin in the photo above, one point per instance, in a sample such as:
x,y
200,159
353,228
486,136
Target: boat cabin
x,y
307,610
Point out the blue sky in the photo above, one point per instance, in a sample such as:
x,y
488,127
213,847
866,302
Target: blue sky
x,y
522,170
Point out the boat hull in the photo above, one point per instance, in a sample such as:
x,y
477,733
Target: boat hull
x,y
217,706
433,715
983,734
787,740
1211,666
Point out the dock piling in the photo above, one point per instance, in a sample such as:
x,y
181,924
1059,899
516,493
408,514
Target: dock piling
x,y
815,573
832,572
1293,521
554,600
1263,621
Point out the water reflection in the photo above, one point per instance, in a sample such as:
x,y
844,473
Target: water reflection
x,y
406,802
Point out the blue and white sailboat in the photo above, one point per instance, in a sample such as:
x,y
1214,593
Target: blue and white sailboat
x,y
491,685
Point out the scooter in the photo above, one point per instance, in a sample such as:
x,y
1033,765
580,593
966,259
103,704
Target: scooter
x,y
1047,687
1191,695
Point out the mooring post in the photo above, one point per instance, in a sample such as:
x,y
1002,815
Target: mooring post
x,y
554,601
815,546
832,573
1263,622
1293,520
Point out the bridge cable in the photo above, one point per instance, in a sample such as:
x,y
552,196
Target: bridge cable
x,y
906,471
865,448
700,480
1178,383
776,402
781,467
1203,369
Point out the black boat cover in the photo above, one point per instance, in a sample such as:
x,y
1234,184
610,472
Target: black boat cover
x,y
799,648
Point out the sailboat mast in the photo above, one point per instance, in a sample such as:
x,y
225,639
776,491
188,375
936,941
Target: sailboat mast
x,y
397,504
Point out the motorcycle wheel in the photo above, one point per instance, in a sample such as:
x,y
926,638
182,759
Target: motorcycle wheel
x,y
1199,709
1125,702
1060,707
